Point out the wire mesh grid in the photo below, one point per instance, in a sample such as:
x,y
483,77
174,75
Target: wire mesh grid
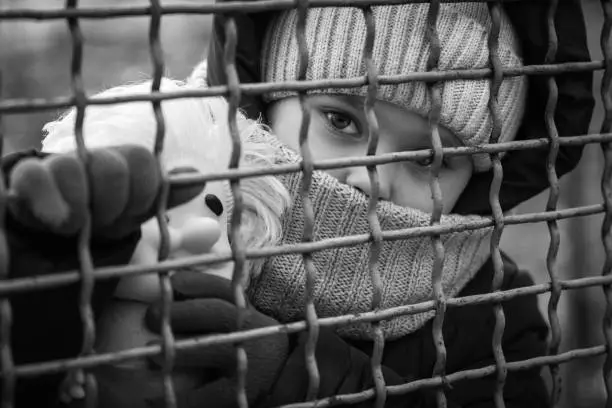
x,y
87,275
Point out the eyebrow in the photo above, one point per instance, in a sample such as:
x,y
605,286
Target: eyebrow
x,y
354,101
447,138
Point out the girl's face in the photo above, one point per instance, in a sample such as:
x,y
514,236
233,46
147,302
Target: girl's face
x,y
339,129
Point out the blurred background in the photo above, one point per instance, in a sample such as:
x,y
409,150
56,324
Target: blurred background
x,y
35,62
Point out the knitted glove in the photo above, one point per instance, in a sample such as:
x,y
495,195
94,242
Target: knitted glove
x,y
204,304
277,372
50,194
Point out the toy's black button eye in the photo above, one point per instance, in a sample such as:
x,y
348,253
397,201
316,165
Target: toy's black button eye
x,y
213,202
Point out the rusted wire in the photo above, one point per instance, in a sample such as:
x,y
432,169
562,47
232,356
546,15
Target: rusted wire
x,y
218,8
239,276
28,370
6,316
436,382
372,216
498,216
312,320
435,94
606,189
86,267
38,104
551,205
450,378
385,158
167,345
21,285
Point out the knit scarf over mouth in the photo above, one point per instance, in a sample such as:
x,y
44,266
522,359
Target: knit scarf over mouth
x,y
343,283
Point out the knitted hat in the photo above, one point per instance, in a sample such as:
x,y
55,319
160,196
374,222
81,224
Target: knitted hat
x,y
336,37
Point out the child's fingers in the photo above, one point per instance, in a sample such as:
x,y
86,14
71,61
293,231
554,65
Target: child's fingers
x,y
199,285
144,181
196,316
71,180
216,357
110,187
34,192
139,188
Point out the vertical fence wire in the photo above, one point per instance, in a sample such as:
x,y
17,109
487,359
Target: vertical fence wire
x,y
86,268
551,205
435,93
167,345
498,216
307,169
606,189
239,277
373,221
7,366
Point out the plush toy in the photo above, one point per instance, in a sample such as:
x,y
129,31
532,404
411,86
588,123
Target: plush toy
x,y
196,138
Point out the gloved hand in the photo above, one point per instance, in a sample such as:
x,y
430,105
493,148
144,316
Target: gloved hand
x,y
277,369
204,304
46,210
50,194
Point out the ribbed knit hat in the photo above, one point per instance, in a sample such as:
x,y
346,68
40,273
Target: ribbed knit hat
x,y
336,37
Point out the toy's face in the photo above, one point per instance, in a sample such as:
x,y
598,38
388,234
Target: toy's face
x,y
196,228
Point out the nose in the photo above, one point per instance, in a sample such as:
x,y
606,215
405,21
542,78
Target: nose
x,y
359,178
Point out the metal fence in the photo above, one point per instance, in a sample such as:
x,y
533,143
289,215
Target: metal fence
x,y
233,91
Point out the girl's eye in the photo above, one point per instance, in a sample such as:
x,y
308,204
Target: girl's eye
x,y
428,161
342,122
167,218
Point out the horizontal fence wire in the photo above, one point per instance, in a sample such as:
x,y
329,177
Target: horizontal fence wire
x,y
257,88
202,341
29,284
412,386
217,8
439,380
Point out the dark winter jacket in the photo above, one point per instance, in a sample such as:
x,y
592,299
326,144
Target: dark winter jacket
x,y
467,331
